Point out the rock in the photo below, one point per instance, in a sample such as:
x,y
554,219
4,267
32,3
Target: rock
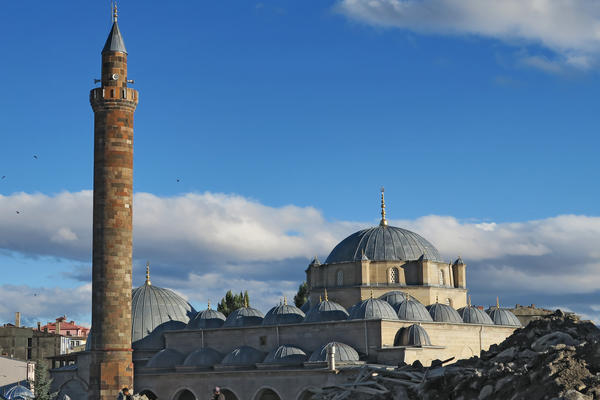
x,y
552,339
506,355
575,395
417,364
486,392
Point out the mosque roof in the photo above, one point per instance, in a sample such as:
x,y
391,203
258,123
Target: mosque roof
x,y
244,316
166,358
343,353
326,310
444,313
207,319
286,354
153,306
283,314
502,316
306,306
473,315
394,298
243,356
414,335
373,309
204,357
19,392
412,310
383,243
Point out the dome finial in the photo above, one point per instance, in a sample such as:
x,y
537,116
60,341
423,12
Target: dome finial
x,y
320,298
326,299
285,300
245,302
497,301
208,305
383,220
469,301
437,299
371,293
115,12
148,273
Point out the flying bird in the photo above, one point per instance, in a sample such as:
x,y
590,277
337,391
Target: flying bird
x,y
178,179
34,156
3,176
18,212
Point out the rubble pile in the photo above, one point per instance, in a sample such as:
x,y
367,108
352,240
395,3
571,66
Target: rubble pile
x,y
557,357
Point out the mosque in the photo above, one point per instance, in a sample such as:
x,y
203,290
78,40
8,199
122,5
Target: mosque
x,y
383,296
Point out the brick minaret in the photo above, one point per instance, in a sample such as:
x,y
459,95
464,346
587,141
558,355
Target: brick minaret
x,y
113,104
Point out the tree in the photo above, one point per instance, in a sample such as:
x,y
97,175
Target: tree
x,y
302,296
232,302
42,382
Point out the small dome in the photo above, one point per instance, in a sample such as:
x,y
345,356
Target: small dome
x,y
204,357
326,311
383,243
444,313
243,356
19,392
152,306
343,353
394,298
414,335
502,316
412,310
155,340
286,354
244,316
166,358
306,306
473,315
283,314
373,309
207,319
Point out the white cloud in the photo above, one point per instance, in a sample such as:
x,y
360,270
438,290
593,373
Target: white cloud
x,y
569,28
203,244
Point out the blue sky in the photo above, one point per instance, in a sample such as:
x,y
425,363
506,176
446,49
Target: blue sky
x,y
305,109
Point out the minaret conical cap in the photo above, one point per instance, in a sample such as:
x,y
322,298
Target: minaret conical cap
x,y
115,42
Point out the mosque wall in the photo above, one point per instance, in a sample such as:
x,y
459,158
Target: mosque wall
x,y
248,385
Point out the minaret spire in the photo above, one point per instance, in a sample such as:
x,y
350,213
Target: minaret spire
x,y
383,220
115,12
148,273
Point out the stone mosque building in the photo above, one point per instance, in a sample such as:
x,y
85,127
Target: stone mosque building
x,y
383,296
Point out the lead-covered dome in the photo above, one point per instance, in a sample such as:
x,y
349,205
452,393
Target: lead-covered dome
x,y
373,309
414,335
166,358
326,310
283,314
383,243
502,316
394,298
444,313
412,310
153,307
343,353
244,316
207,319
473,315
287,355
204,357
243,356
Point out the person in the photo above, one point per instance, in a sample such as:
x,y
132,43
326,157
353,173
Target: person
x,y
124,394
217,395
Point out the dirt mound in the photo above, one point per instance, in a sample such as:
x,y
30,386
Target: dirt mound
x,y
557,357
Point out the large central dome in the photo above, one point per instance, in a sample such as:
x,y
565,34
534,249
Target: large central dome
x,y
383,243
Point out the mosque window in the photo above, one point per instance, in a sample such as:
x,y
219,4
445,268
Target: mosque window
x,y
394,275
441,278
340,278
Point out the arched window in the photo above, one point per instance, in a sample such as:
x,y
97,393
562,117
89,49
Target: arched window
x,y
441,278
394,275
148,394
339,279
185,395
267,394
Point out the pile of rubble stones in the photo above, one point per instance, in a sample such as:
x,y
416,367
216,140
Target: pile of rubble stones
x,y
557,357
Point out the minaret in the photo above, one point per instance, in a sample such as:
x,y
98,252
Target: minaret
x,y
113,104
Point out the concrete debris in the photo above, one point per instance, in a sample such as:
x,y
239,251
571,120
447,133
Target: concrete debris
x,y
553,358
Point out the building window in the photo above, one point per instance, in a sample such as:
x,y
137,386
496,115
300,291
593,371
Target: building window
x,y
441,278
394,275
340,278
